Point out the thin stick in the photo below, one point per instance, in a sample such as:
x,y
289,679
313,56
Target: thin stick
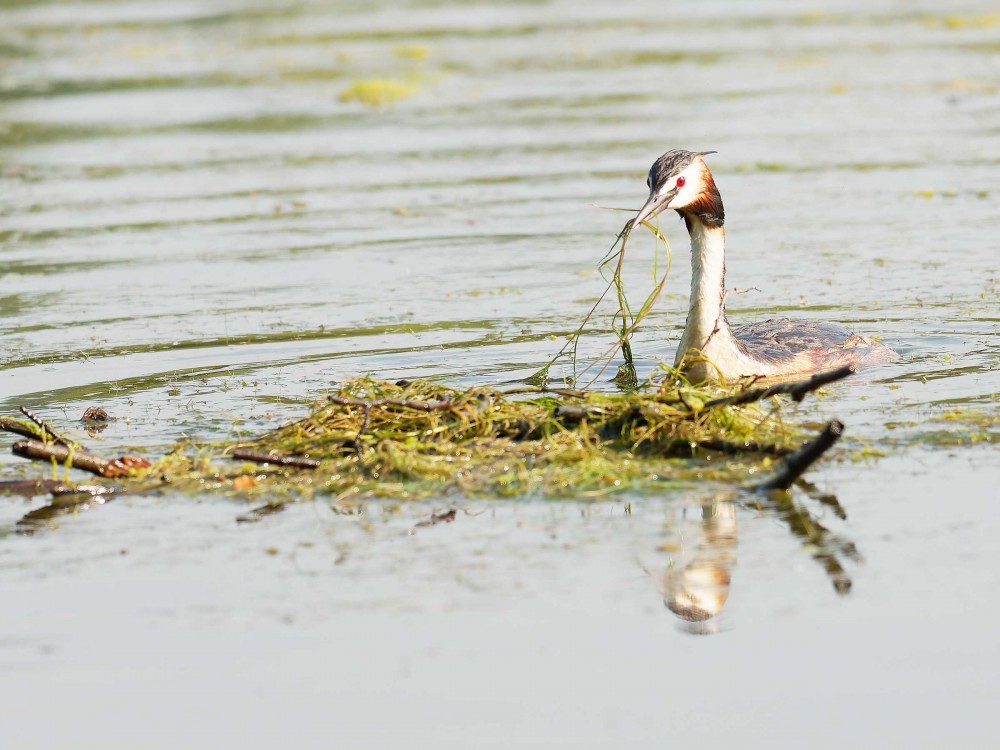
x,y
735,449
91,490
567,392
46,429
365,424
245,454
404,402
36,450
32,487
797,390
367,405
18,428
796,464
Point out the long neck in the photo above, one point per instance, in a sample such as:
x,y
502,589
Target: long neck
x,y
707,327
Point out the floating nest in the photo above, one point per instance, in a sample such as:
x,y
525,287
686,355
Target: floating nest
x,y
410,440
414,439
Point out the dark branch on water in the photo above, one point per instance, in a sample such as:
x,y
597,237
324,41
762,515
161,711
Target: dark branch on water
x,y
47,432
245,454
446,516
368,404
18,427
797,390
736,449
365,424
797,463
36,450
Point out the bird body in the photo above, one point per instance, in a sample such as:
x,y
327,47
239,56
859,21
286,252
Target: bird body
x,y
710,349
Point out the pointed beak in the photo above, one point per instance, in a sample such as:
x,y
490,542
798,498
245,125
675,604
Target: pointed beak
x,y
654,204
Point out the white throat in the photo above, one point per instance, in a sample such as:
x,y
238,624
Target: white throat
x,y
708,350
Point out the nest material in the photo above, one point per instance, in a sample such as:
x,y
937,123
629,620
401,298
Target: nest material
x,y
416,439
411,440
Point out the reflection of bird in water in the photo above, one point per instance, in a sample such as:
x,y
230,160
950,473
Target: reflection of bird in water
x,y
709,348
697,590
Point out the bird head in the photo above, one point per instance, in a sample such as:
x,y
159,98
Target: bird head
x,y
682,181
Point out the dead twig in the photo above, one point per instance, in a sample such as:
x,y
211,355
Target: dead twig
x,y
48,432
796,464
404,402
797,390
91,490
122,466
245,454
368,404
365,424
34,487
19,428
735,449
567,392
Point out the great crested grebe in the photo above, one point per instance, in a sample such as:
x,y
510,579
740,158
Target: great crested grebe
x,y
709,348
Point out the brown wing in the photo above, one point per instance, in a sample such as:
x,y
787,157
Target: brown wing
x,y
805,345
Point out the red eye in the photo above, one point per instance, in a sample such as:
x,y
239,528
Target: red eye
x,y
681,181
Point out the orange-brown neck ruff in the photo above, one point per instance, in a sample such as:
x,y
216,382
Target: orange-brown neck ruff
x,y
707,208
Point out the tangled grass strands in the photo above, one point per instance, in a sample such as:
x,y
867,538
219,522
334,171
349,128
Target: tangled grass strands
x,y
571,348
624,322
622,344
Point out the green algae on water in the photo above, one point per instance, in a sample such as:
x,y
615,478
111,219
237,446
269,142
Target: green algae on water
x,y
377,92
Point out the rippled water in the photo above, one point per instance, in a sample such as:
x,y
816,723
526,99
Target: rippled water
x,y
196,227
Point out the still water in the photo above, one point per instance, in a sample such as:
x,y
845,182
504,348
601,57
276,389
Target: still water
x,y
204,223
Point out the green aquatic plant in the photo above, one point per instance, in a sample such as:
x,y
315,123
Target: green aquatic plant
x,y
964,21
624,322
963,426
377,92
